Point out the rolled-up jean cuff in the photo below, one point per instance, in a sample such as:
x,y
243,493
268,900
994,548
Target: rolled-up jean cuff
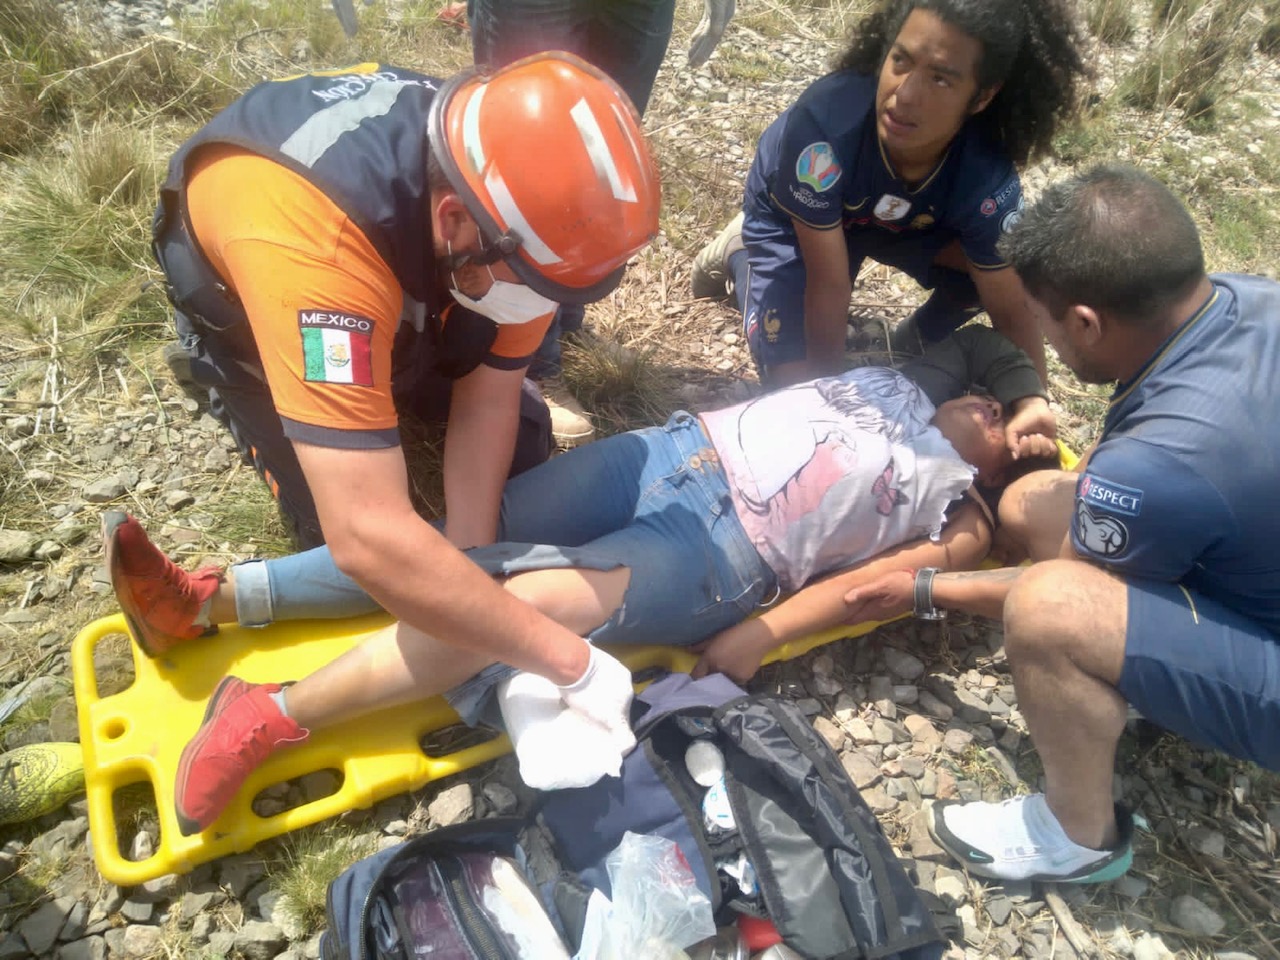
x,y
253,594
474,699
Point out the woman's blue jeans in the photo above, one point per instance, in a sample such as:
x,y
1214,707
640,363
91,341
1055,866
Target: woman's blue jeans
x,y
655,501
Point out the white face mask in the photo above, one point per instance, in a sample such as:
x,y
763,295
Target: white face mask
x,y
506,302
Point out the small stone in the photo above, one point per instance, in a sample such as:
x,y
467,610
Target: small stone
x,y
903,789
1209,842
860,731
882,732
831,734
136,910
41,928
177,499
923,846
862,771
16,545
453,805
922,730
1148,946
104,491
143,846
887,709
1195,916
957,741
879,800
903,664
905,694
1131,886
160,888
141,940
998,909
950,886
931,706
911,766
972,708
501,797
217,460
880,688
809,706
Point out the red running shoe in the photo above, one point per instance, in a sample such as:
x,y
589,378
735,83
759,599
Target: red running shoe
x,y
160,600
242,727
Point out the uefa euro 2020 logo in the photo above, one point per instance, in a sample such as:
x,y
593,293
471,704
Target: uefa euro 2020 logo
x,y
818,167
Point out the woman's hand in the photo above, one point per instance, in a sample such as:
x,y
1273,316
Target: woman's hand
x,y
735,652
884,598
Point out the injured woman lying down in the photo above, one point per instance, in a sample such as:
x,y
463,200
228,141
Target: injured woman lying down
x,y
779,506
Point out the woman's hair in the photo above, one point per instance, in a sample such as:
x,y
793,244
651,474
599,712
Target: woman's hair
x,y
1031,47
1015,471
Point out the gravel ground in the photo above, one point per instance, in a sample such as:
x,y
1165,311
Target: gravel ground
x,y
916,711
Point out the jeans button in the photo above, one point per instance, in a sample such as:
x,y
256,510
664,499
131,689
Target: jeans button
x,y
695,462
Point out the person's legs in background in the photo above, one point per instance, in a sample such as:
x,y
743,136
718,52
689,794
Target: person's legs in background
x,y
941,269
627,39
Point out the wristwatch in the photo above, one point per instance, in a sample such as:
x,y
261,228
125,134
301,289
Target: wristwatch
x,y
923,596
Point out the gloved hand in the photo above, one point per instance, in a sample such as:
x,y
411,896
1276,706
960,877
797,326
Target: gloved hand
x,y
709,30
603,693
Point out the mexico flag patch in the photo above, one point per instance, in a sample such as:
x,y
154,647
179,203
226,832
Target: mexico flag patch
x,y
335,347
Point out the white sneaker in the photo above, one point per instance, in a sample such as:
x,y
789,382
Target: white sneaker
x,y
569,422
1021,839
710,278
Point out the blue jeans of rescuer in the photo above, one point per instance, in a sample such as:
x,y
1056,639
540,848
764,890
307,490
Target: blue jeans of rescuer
x,y
627,39
655,501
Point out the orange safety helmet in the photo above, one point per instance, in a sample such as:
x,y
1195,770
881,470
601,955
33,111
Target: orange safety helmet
x,y
548,156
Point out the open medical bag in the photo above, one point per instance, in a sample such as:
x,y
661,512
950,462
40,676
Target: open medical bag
x,y
787,837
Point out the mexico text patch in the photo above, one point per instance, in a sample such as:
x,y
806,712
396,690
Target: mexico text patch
x,y
336,347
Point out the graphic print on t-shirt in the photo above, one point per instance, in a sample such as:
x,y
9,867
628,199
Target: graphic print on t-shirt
x,y
336,347
830,472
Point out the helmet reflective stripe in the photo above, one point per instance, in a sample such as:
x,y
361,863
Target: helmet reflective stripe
x,y
598,151
471,131
530,242
639,153
321,131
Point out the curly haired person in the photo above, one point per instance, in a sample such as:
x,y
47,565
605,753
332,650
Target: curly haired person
x,y
907,153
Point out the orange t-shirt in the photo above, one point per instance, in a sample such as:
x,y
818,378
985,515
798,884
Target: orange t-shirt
x,y
322,304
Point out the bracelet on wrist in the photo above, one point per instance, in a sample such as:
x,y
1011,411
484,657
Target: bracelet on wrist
x,y
922,595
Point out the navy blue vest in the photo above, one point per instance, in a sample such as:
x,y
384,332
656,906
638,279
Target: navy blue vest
x,y
360,135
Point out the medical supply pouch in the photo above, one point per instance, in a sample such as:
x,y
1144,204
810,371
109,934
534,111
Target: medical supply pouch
x,y
758,804
776,828
463,892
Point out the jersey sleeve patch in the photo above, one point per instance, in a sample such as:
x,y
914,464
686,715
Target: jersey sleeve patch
x,y
336,347
1109,496
1100,534
818,167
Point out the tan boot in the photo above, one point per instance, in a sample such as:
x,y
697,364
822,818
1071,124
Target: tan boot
x,y
711,265
570,424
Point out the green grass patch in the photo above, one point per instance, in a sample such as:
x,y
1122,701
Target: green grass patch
x,y
1110,21
308,861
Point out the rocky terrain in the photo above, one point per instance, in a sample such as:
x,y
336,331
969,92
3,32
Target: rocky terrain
x,y
916,711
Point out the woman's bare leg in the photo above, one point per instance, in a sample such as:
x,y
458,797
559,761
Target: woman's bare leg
x,y
399,664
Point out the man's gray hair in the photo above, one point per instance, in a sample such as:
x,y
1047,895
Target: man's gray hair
x,y
1113,238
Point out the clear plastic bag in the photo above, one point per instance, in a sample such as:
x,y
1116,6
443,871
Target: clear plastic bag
x,y
657,908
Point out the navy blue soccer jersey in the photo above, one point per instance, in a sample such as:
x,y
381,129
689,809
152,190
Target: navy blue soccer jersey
x,y
1182,484
822,163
